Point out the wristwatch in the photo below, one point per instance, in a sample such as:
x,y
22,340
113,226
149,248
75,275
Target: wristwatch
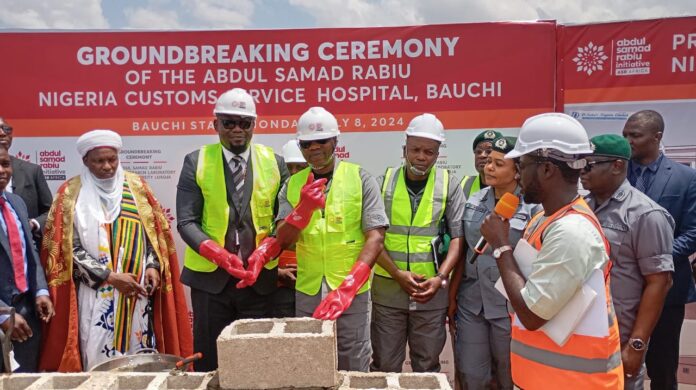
x,y
443,279
497,252
637,344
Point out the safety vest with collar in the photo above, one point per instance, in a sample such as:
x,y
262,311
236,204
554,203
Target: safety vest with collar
x,y
584,361
408,241
471,185
210,177
329,246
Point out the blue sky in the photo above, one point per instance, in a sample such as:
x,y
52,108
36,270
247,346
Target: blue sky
x,y
270,14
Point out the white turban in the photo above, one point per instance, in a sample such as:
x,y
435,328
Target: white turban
x,y
97,139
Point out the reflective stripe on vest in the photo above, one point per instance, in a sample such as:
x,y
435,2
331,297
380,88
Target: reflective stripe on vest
x,y
210,177
584,361
329,246
471,185
408,239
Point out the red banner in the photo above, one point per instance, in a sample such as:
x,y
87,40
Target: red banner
x,y
160,83
628,61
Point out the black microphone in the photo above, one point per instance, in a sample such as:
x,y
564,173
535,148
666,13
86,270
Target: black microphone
x,y
506,207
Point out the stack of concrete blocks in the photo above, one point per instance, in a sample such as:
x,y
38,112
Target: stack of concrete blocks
x,y
296,353
109,381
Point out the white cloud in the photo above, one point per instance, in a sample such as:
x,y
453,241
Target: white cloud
x,y
190,14
47,14
346,13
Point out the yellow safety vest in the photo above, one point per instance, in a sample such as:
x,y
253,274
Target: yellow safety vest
x,y
471,185
329,246
408,239
210,177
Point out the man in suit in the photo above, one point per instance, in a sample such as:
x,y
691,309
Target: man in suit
x,y
222,231
29,183
23,284
672,186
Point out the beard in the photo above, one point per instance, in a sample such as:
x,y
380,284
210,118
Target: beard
x,y
532,191
238,149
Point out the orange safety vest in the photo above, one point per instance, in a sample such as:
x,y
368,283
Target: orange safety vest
x,y
583,362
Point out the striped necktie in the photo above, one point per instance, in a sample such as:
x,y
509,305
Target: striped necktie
x,y
238,167
640,179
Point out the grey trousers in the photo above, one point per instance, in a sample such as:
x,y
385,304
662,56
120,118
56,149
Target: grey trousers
x,y
352,329
391,328
481,342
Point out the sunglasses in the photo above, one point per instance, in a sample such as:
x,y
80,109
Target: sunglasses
x,y
590,164
6,129
244,124
307,144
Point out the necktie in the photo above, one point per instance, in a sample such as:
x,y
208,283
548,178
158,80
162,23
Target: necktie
x,y
640,180
237,172
15,247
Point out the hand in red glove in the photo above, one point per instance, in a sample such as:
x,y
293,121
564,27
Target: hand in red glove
x,y
267,250
224,259
311,198
340,299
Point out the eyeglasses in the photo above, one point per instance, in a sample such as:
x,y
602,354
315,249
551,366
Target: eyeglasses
x,y
590,164
307,144
6,129
244,124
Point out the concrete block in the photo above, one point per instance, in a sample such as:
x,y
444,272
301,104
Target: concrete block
x,y
392,381
423,381
17,381
364,380
192,381
60,381
252,352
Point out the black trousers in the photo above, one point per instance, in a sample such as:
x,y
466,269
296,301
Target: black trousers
x,y
662,358
213,312
27,353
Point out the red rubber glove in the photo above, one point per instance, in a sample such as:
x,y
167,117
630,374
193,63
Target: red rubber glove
x,y
267,250
311,198
231,263
340,299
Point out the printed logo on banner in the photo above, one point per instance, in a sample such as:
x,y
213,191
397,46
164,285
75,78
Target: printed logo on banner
x,y
600,115
341,152
590,58
23,156
52,162
629,56
168,214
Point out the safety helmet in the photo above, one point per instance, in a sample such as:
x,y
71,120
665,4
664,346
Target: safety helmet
x,y
426,126
236,101
317,123
292,153
553,130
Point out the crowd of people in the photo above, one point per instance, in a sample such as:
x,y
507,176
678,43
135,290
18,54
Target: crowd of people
x,y
393,259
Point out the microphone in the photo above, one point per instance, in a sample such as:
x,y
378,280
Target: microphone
x,y
506,207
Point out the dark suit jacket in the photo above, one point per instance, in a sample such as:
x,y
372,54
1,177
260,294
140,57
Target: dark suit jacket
x,y
674,188
189,210
29,183
36,279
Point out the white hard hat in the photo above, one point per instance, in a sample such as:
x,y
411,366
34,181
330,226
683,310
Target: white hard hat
x,y
236,101
317,123
552,130
292,152
426,126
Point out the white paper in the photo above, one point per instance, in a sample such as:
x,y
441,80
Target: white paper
x,y
584,314
13,363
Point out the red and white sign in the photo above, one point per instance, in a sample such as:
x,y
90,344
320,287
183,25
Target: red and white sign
x,y
628,61
373,79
